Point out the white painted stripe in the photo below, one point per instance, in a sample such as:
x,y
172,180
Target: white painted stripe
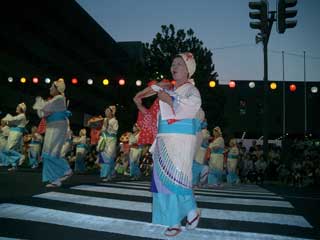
x,y
239,188
227,190
200,191
237,195
197,189
122,226
130,192
125,186
97,201
201,198
259,217
242,201
6,238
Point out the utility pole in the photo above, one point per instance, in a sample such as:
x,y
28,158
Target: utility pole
x,y
283,99
264,24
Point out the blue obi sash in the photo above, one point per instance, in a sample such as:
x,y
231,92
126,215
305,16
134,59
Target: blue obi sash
x,y
35,142
105,134
17,129
185,126
205,145
58,116
217,151
233,156
82,145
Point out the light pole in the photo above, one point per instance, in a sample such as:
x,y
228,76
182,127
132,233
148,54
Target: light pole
x,y
305,94
283,99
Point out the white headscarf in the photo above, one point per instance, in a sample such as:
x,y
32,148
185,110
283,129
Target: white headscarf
x,y
189,61
23,107
113,109
60,85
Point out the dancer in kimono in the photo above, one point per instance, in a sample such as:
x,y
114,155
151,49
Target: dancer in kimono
x,y
55,168
174,149
12,154
135,153
216,159
34,150
232,162
81,151
200,168
107,145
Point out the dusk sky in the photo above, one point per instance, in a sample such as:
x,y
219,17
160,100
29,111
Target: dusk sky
x,y
223,26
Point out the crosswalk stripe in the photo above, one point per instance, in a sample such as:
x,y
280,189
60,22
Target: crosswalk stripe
x,y
259,217
120,226
241,188
242,201
227,190
199,192
197,189
6,238
97,201
213,199
237,195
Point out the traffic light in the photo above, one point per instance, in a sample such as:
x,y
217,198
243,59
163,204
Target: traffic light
x,y
261,14
283,14
243,107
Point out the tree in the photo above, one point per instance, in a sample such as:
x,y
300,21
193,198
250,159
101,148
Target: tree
x,y
158,57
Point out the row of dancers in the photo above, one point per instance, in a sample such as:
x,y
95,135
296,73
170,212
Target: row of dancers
x,y
182,151
208,167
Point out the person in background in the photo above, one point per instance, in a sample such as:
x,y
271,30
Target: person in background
x,y
12,154
216,147
232,162
34,150
4,133
200,169
81,151
107,145
135,153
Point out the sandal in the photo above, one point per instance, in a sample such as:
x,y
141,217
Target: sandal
x,y
172,232
65,177
194,222
53,185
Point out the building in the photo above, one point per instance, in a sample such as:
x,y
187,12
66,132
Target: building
x,y
243,110
59,39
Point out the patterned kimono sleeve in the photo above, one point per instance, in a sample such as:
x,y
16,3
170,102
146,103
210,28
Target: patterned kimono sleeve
x,y
186,103
16,120
113,126
55,104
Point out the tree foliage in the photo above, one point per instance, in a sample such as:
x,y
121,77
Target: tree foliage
x,y
160,53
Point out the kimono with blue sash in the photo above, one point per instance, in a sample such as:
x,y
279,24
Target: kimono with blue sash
x,y
108,154
216,161
81,151
232,162
134,155
56,114
35,150
173,152
12,152
199,168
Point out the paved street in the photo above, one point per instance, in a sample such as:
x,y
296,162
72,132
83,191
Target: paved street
x,y
85,208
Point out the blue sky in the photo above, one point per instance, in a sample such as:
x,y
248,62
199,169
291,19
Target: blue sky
x,y
223,26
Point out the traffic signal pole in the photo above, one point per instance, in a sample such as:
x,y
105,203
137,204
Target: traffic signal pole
x,y
264,21
265,40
